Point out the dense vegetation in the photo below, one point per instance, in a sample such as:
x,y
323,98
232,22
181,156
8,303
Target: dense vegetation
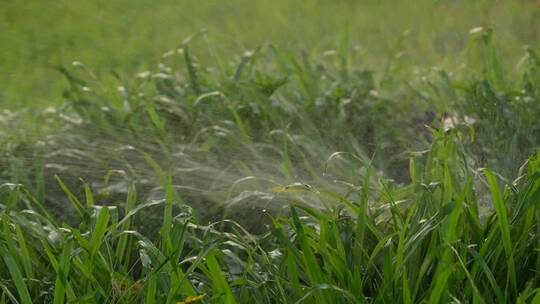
x,y
278,176
129,36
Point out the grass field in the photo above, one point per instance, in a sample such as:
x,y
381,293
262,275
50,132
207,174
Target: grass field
x,y
316,152
130,36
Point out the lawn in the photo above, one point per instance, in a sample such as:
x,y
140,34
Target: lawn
x,y
270,152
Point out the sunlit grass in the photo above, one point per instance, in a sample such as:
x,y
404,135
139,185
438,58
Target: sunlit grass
x,y
277,177
128,36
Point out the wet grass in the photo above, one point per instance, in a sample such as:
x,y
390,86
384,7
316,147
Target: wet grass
x,y
420,242
278,176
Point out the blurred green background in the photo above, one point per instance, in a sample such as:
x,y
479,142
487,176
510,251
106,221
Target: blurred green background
x,y
130,35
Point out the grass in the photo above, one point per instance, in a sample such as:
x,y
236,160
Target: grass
x,y
420,248
280,175
129,36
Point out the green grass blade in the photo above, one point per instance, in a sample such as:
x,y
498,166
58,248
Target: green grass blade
x,y
221,286
100,229
502,219
16,275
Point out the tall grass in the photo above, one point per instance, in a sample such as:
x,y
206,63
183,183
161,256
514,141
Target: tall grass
x,y
282,177
421,242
